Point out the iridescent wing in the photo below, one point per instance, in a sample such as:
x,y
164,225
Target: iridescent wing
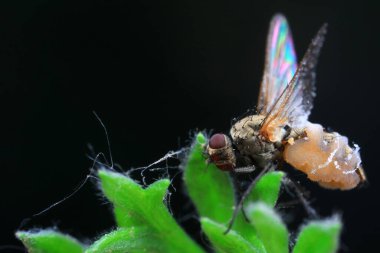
x,y
280,63
296,101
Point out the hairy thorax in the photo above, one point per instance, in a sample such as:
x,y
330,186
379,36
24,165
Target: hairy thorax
x,y
251,145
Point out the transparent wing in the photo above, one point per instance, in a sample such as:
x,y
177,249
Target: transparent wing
x,y
280,63
296,101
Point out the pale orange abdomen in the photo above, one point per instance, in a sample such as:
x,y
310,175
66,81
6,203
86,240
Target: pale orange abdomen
x,y
325,157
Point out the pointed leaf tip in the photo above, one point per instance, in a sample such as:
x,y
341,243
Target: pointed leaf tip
x,y
319,236
49,241
137,207
231,242
269,227
132,239
201,139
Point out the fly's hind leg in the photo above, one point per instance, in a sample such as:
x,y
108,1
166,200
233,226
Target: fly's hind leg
x,y
287,181
294,185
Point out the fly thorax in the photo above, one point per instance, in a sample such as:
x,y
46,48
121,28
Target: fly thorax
x,y
275,131
246,137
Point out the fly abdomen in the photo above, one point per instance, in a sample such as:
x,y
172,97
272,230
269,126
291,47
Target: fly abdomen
x,y
326,158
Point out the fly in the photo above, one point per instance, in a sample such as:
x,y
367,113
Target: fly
x,y
280,130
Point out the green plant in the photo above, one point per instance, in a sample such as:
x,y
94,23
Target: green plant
x,y
144,223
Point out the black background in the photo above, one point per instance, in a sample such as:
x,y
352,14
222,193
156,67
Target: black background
x,y
156,71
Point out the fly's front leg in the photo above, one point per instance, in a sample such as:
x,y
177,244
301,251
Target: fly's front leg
x,y
238,189
247,169
239,206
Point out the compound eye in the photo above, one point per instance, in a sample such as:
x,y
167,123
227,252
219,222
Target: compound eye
x,y
217,141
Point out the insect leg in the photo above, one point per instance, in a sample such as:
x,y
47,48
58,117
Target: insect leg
x,y
238,190
237,185
239,206
309,210
287,204
247,169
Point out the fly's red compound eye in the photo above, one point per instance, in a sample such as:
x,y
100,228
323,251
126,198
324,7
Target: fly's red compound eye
x,y
217,141
221,153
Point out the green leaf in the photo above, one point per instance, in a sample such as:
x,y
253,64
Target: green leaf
x,y
131,240
269,227
138,207
267,188
126,196
209,188
229,243
49,241
319,237
212,192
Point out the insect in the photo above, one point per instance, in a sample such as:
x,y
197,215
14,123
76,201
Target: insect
x,y
280,130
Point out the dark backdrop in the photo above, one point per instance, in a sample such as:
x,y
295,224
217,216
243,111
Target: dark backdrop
x,y
155,71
